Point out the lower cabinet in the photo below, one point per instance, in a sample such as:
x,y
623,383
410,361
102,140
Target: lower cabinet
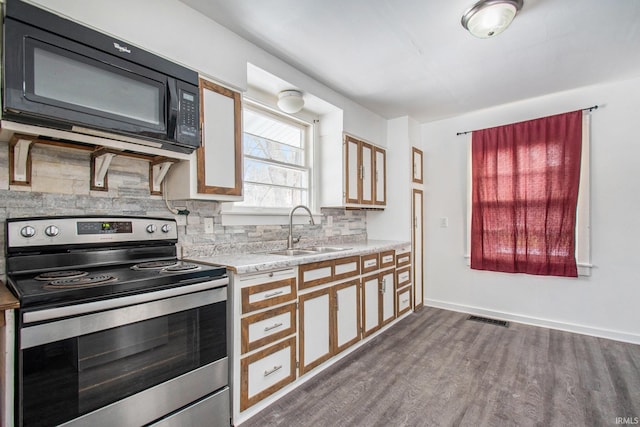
x,y
329,323
293,319
315,328
378,300
267,371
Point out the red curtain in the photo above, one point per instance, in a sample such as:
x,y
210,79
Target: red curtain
x,y
525,192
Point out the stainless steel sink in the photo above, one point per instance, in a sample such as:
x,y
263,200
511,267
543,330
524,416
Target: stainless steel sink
x,y
293,252
308,251
323,249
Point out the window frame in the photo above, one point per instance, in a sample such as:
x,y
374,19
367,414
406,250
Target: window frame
x,y
279,215
582,231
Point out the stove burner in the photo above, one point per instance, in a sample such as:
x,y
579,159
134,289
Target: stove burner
x,y
183,266
80,281
154,265
56,275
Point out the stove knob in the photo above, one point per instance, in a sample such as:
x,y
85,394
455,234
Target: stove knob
x,y
151,228
52,231
166,228
27,231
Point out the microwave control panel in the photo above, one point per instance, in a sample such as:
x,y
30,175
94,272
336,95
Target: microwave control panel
x,y
188,118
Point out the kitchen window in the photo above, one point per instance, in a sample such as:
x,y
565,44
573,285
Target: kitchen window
x,y
277,155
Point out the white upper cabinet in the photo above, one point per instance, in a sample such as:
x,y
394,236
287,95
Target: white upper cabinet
x,y
214,171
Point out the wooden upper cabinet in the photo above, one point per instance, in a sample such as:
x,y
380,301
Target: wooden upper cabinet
x,y
220,155
380,176
365,173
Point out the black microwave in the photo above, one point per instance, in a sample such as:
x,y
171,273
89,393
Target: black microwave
x,y
62,75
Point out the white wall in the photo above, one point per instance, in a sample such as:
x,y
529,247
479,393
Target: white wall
x,y
171,29
394,223
605,304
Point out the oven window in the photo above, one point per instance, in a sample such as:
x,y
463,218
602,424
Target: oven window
x,y
65,379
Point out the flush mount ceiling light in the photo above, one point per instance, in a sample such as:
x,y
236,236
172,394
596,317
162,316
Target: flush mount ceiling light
x,y
488,18
290,101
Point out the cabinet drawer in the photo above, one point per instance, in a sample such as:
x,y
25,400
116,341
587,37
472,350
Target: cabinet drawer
x,y
319,273
403,301
403,259
315,273
403,277
267,371
346,267
369,263
387,259
268,294
264,328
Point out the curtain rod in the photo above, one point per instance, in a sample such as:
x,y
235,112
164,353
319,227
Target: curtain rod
x,y
589,109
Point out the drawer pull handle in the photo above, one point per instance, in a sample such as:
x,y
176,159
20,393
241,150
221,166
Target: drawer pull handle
x,y
406,301
275,369
273,294
276,325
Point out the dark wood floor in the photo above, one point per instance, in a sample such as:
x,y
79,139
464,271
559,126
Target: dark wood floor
x,y
436,368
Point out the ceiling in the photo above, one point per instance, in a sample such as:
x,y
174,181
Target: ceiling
x,y
412,57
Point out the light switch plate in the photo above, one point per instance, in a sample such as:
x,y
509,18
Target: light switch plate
x,y
208,225
444,222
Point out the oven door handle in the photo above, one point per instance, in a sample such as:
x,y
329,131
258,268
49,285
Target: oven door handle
x,y
101,315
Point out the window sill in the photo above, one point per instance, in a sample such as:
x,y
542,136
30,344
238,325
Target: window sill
x,y
584,269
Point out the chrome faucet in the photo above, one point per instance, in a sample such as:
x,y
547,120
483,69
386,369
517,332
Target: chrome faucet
x,y
291,240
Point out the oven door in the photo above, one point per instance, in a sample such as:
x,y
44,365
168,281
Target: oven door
x,y
125,361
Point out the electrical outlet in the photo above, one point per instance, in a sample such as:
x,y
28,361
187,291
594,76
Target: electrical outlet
x,y
208,225
444,222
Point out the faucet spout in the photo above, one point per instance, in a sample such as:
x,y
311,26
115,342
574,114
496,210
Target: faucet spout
x,y
291,240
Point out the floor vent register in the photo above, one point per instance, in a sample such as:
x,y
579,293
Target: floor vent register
x,y
496,322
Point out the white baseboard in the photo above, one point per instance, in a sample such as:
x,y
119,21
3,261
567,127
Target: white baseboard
x,y
534,321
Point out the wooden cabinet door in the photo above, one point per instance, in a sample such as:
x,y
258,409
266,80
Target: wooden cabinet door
x,y
387,296
219,159
315,328
418,248
353,183
380,176
367,173
370,304
347,315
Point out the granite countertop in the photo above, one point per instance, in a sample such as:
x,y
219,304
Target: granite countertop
x,y
256,262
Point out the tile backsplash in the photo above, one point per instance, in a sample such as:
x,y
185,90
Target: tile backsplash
x,y
60,186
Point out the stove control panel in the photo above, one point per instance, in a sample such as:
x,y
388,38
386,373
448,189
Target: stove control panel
x,y
31,232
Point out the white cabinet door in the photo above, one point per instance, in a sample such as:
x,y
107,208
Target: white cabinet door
x,y
265,372
347,315
387,296
367,174
315,328
380,177
370,304
418,247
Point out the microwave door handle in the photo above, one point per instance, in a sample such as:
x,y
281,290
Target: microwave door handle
x,y
172,113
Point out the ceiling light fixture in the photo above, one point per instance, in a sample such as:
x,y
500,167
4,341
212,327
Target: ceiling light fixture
x,y
488,18
290,101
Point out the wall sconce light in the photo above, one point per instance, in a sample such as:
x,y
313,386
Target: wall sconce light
x,y
488,18
290,101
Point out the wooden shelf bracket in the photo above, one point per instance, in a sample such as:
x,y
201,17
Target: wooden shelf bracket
x,y
100,162
20,160
158,169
